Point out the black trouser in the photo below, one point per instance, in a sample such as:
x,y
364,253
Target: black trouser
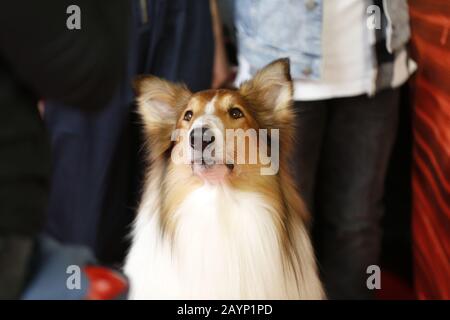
x,y
340,163
15,256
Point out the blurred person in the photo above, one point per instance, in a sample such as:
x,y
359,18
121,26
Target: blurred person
x,y
97,172
348,59
41,58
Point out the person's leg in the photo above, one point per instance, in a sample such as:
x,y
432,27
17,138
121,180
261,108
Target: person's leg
x,y
15,256
310,124
349,198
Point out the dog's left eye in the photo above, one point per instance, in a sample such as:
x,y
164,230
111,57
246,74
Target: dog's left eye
x,y
235,113
188,115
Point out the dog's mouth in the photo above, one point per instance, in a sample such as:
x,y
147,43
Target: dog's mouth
x,y
211,171
205,164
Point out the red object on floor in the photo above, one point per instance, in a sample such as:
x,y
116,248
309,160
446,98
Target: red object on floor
x,y
105,284
430,22
394,287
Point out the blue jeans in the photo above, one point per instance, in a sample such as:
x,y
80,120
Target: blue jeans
x,y
97,169
340,164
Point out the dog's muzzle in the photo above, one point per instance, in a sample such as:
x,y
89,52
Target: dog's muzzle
x,y
200,138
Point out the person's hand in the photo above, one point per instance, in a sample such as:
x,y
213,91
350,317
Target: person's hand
x,y
41,108
221,69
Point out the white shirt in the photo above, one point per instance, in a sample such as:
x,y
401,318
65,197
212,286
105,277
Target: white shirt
x,y
347,68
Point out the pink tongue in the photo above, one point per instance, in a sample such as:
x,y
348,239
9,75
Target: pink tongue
x,y
214,175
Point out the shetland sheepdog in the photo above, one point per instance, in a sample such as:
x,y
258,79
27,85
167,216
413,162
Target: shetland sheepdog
x,y
210,226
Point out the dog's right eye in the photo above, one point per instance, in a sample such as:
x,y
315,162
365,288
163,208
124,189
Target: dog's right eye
x,y
188,116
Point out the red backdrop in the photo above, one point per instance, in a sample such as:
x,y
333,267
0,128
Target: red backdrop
x,y
430,20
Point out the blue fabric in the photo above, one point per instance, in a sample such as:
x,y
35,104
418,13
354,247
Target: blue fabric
x,y
274,29
50,271
269,30
97,158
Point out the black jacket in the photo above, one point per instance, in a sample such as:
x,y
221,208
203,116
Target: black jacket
x,y
41,59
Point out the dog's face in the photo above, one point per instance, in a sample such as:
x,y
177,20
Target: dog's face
x,y
215,137
218,135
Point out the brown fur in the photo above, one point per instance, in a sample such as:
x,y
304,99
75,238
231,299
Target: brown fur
x,y
266,101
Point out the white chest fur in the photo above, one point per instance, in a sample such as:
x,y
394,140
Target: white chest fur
x,y
226,246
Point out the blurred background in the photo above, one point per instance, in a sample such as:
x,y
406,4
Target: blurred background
x,y
71,157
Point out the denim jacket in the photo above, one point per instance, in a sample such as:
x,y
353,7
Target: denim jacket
x,y
270,29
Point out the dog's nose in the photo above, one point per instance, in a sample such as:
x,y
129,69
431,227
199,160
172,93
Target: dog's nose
x,y
201,138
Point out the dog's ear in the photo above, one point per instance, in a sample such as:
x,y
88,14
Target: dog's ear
x,y
270,97
160,103
159,100
271,91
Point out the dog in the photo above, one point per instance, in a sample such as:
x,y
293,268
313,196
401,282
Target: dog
x,y
216,228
